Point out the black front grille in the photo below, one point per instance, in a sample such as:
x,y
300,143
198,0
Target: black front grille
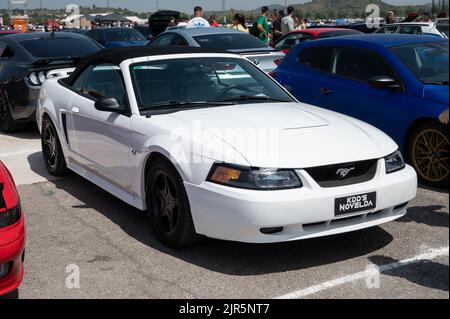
x,y
5,269
10,217
2,200
344,174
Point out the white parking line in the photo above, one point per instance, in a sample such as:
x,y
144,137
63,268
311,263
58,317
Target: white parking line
x,y
430,255
26,166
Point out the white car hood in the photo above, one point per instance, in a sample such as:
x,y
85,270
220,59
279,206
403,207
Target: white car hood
x,y
302,135
273,115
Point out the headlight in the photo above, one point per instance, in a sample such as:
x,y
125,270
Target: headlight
x,y
34,79
10,217
254,178
37,78
42,77
394,162
4,269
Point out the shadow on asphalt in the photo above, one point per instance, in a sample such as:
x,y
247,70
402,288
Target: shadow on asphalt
x,y
425,273
228,257
438,190
30,133
428,215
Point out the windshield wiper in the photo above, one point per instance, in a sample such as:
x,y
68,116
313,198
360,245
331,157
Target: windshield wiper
x,y
253,98
180,105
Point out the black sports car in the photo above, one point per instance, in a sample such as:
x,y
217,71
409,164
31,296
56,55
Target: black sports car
x,y
27,60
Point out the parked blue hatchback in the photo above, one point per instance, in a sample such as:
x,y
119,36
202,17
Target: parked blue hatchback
x,y
398,83
112,38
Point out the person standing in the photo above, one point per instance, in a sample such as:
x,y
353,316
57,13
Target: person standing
x,y
299,23
263,25
198,21
213,22
276,26
427,17
239,23
390,18
287,23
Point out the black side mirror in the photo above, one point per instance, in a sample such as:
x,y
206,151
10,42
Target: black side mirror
x,y
384,82
109,104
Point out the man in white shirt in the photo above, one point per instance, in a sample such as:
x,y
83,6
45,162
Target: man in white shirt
x,y
198,21
287,23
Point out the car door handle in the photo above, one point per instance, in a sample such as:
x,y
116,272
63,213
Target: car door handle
x,y
75,110
325,91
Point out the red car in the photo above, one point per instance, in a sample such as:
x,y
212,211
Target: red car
x,y
293,38
12,234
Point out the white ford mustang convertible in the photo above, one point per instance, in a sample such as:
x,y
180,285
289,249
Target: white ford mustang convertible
x,y
208,144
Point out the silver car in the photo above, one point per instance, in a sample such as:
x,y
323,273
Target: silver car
x,y
231,40
420,28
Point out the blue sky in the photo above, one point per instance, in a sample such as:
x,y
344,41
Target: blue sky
x,y
183,5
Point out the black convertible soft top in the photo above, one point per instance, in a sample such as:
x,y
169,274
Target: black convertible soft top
x,y
117,56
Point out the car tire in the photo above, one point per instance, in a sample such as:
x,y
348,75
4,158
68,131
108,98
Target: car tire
x,y
168,206
52,150
7,123
428,153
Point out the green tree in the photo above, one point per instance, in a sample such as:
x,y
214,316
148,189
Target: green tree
x,y
184,16
409,10
331,14
299,13
6,20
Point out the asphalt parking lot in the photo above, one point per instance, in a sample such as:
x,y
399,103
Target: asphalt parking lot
x,y
72,222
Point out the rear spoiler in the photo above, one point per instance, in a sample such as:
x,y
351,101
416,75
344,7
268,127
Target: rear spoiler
x,y
50,62
254,51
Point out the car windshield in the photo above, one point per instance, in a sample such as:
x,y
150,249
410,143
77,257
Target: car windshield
x,y
183,82
60,47
443,28
145,31
229,41
427,61
125,34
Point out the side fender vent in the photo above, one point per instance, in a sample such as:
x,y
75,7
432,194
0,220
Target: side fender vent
x,y
64,123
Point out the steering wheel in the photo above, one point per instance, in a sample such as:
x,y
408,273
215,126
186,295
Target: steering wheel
x,y
232,87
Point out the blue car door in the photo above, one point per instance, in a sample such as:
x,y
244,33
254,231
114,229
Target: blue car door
x,y
345,89
302,78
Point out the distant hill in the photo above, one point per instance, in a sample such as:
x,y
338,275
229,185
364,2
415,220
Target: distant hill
x,y
334,9
352,8
272,7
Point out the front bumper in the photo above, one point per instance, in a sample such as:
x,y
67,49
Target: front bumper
x,y
239,215
12,252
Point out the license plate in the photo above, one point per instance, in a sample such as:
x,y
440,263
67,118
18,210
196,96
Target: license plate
x,y
355,203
